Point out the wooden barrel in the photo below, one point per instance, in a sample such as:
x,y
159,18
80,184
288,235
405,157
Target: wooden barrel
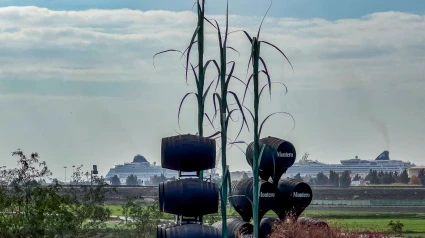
x,y
188,153
189,197
293,197
160,230
243,190
191,231
278,156
266,227
310,222
235,227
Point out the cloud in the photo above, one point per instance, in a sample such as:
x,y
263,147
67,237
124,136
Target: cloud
x,y
98,65
118,45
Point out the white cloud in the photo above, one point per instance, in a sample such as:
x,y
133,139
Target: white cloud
x,y
40,43
333,61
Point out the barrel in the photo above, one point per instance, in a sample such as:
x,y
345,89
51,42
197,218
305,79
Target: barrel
x,y
243,190
188,197
293,197
191,231
310,222
188,153
266,227
278,156
160,230
235,227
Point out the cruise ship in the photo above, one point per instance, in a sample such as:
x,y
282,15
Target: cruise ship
x,y
143,169
356,165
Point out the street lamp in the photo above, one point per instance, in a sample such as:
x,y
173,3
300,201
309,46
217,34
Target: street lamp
x,y
73,175
94,171
65,172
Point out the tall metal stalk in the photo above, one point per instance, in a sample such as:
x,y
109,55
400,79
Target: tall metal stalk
x,y
201,75
256,189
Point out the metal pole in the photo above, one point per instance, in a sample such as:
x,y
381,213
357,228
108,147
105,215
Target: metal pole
x,y
73,181
73,177
65,173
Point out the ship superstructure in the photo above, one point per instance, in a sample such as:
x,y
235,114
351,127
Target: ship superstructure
x,y
143,169
356,165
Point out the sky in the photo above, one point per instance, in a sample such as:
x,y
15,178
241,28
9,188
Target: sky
x,y
78,84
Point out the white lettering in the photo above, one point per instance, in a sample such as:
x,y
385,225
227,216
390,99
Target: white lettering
x,y
280,154
300,195
267,195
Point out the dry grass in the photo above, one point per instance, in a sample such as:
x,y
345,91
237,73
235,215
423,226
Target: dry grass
x,y
289,229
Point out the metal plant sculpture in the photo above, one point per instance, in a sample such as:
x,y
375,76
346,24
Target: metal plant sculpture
x,y
201,94
200,75
255,58
225,113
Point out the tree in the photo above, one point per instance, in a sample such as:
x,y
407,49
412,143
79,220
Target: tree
x,y
245,176
414,180
404,177
421,176
333,178
28,209
396,228
115,180
156,180
321,179
131,180
357,178
298,177
345,179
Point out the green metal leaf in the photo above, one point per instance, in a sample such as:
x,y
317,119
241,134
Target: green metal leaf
x,y
240,108
286,88
261,126
165,51
279,51
211,123
180,107
190,47
259,28
228,47
206,92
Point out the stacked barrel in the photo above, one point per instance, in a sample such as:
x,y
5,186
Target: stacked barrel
x,y
189,197
287,197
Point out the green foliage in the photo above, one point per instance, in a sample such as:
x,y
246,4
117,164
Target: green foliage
x,y
345,179
28,209
298,177
321,179
382,177
396,228
156,180
115,180
404,177
333,178
140,221
421,176
131,180
357,178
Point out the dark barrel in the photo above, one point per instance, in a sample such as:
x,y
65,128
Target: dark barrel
x,y
188,153
243,189
235,227
191,231
160,230
188,197
278,156
310,222
266,227
293,197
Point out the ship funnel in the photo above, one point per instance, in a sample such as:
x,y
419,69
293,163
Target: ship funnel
x,y
384,156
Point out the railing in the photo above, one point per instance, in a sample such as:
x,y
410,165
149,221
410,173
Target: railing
x,y
369,203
